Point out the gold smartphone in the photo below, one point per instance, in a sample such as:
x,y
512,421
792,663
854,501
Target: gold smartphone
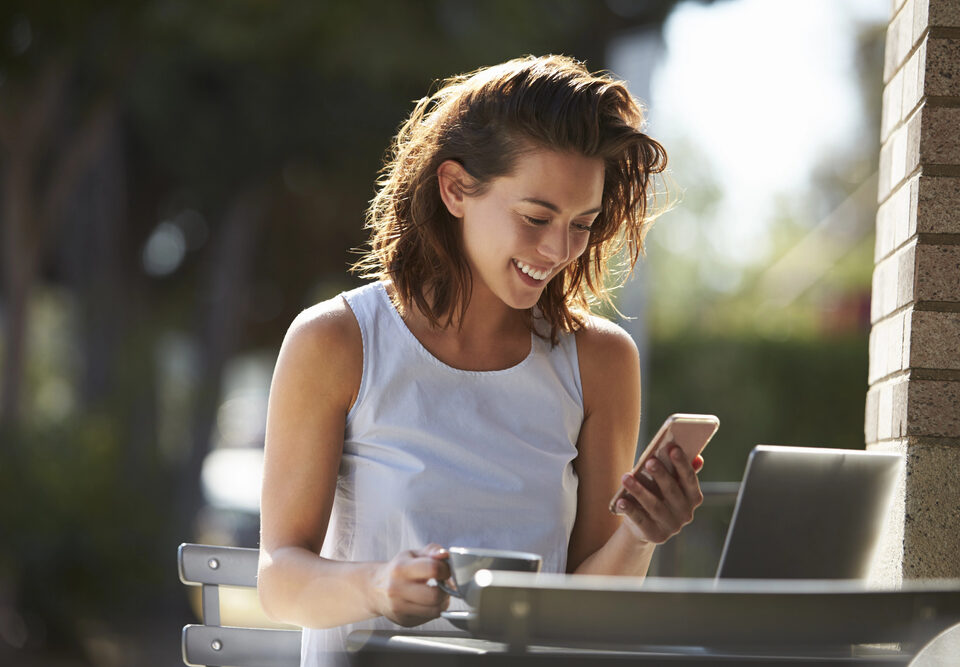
x,y
690,432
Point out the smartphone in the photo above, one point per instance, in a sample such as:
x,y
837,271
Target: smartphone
x,y
690,432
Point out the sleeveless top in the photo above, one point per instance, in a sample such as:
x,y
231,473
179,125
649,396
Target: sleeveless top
x,y
432,453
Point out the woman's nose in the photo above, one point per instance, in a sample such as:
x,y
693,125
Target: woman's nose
x,y
555,244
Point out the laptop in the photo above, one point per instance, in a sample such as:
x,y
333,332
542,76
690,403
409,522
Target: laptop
x,y
809,513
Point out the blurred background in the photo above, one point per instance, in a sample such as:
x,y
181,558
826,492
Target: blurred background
x,y
178,179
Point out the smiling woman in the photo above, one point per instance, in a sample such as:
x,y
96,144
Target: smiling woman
x,y
485,121
467,396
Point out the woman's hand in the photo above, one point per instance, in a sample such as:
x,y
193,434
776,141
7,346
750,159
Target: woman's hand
x,y
400,587
656,518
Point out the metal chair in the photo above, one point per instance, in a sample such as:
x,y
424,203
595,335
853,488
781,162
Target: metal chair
x,y
215,645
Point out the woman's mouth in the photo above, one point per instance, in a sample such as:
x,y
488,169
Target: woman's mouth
x,y
530,274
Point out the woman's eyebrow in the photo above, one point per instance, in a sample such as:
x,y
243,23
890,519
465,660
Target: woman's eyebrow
x,y
556,209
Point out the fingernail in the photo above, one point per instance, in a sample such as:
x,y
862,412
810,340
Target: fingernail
x,y
621,504
626,478
651,465
675,453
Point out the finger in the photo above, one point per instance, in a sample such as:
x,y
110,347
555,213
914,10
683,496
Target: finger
x,y
650,530
423,568
653,506
673,496
415,614
421,594
631,509
688,477
434,550
644,478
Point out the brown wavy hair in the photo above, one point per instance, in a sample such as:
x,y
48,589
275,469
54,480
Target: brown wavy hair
x,y
485,120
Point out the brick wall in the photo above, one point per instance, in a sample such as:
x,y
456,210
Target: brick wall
x,y
913,403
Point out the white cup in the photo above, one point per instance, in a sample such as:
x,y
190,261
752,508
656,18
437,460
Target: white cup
x,y
467,561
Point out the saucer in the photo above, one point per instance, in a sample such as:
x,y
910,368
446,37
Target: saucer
x,y
459,618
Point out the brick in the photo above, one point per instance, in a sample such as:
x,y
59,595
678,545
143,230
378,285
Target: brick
x,y
891,113
895,6
935,340
899,155
938,205
898,408
886,226
914,199
907,339
943,13
890,64
932,408
876,294
884,187
937,273
875,359
894,348
885,412
885,335
940,143
912,85
870,416
906,274
921,18
905,41
914,124
894,153
942,68
884,288
931,531
900,211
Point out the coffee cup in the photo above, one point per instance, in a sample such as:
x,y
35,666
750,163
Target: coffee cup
x,y
467,561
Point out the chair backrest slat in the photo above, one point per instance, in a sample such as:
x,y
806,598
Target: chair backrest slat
x,y
212,644
240,647
224,566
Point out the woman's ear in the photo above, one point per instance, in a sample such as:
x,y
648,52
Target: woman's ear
x,y
452,178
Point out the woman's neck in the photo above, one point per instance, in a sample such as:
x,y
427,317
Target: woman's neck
x,y
488,335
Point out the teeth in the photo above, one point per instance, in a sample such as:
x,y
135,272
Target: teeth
x,y
530,271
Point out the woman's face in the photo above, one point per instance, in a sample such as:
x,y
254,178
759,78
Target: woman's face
x,y
527,226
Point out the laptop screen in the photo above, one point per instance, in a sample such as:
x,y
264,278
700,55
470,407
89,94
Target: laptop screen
x,y
809,513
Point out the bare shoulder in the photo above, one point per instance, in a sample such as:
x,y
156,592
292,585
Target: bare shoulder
x,y
609,361
602,345
323,350
328,322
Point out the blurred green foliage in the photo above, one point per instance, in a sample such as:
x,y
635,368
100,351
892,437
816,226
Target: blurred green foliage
x,y
80,537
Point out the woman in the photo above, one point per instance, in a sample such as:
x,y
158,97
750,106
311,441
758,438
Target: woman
x,y
467,396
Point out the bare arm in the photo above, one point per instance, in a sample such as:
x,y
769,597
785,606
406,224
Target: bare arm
x,y
602,543
314,385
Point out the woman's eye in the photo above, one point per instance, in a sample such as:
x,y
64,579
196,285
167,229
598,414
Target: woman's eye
x,y
581,227
535,221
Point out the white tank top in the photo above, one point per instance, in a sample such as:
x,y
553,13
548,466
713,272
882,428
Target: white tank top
x,y
432,453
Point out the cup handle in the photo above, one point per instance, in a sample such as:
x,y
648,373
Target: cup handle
x,y
449,591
